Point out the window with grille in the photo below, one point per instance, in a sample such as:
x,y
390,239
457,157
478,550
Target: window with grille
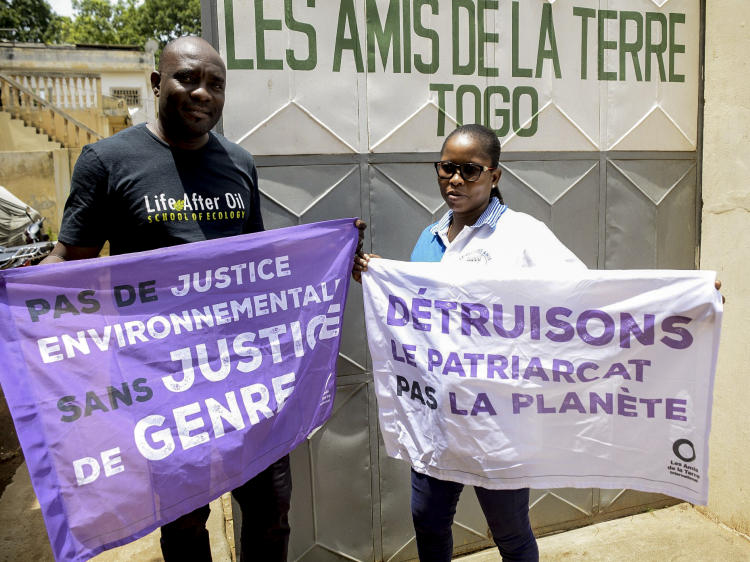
x,y
132,96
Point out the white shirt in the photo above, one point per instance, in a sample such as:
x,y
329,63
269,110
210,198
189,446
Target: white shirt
x,y
505,238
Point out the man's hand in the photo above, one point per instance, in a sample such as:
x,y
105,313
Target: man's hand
x,y
359,262
360,258
717,284
362,226
63,252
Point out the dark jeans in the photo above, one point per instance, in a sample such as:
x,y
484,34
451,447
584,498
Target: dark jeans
x,y
264,501
433,506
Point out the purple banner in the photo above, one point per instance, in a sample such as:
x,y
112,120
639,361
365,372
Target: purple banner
x,y
144,386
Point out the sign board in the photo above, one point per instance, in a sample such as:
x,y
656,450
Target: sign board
x,y
394,76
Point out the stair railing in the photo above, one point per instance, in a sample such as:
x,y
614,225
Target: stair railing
x,y
19,101
65,90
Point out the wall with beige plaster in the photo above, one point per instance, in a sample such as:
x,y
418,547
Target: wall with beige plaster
x,y
116,68
725,247
40,179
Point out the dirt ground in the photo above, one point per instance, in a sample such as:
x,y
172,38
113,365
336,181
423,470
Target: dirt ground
x,y
675,534
23,536
11,456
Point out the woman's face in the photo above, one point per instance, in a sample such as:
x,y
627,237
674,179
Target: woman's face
x,y
463,197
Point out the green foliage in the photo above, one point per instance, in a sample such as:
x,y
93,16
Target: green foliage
x,y
99,21
34,21
127,23
94,23
165,20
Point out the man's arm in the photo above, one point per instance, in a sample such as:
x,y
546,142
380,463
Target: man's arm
x,y
84,226
64,252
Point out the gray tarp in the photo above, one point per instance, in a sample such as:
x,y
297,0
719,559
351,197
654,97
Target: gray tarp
x,y
13,219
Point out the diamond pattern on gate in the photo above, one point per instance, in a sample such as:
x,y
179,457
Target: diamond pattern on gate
x,y
655,131
656,183
423,201
619,500
562,194
470,531
307,134
650,214
318,523
328,192
302,125
282,187
550,185
552,507
554,124
405,137
404,199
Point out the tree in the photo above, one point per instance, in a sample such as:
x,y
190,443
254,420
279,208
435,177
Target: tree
x,y
165,20
99,21
127,23
34,21
93,23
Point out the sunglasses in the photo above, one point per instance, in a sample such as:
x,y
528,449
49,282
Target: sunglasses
x,y
468,172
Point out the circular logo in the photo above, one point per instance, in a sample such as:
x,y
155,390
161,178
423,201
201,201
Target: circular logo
x,y
676,449
477,256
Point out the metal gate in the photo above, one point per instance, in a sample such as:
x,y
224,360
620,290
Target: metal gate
x,y
615,207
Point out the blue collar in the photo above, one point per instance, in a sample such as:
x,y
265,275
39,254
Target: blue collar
x,y
491,215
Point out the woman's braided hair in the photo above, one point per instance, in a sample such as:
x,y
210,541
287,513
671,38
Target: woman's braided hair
x,y
488,143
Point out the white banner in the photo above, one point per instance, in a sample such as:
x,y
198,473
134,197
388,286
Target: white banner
x,y
545,379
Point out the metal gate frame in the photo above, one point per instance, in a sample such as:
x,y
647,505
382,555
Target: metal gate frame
x,y
352,503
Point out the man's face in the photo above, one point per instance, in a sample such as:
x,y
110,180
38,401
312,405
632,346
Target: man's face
x,y
190,88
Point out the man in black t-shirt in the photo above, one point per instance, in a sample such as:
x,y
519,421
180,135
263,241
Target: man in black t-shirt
x,y
169,183
141,193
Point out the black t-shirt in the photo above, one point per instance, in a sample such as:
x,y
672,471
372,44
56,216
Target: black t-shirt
x,y
140,193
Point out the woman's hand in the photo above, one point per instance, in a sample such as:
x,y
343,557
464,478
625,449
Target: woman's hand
x,y
360,265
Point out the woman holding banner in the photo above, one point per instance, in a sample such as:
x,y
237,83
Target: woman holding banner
x,y
478,227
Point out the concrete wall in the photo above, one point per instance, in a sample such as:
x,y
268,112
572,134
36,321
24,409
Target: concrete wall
x,y
117,68
726,249
15,136
62,58
40,179
136,79
36,170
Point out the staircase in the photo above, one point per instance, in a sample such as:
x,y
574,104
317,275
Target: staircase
x,y
21,107
16,136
